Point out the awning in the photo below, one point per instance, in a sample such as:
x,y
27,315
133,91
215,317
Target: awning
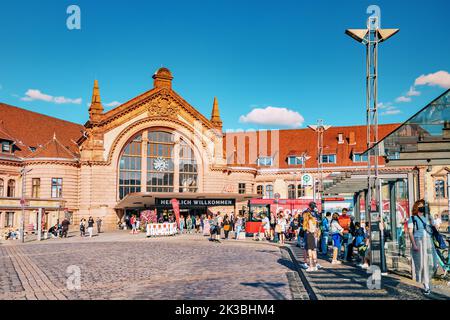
x,y
149,199
350,183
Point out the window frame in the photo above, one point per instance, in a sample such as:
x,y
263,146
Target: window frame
x,y
302,160
57,187
328,157
264,164
11,190
361,157
36,188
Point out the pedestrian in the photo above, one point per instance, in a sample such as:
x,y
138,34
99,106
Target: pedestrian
x,y
189,223
311,227
181,224
325,233
99,224
198,224
280,227
419,228
336,235
272,226
212,227
90,226
238,226
345,221
138,223
65,227
206,225
82,228
226,226
133,224
265,224
219,220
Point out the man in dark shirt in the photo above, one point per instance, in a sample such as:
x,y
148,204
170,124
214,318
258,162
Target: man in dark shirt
x,y
65,228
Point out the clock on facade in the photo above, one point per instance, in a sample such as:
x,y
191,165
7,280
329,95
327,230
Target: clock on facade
x,y
160,164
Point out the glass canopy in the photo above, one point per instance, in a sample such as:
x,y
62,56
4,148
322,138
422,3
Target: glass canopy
x,y
430,124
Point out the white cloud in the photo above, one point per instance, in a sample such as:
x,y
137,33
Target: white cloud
x,y
403,99
273,116
113,104
439,78
34,94
412,92
382,105
391,112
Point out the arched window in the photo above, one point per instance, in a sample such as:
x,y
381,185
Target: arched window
x,y
269,191
439,189
291,191
151,154
160,167
260,190
2,186
130,168
300,191
11,188
188,168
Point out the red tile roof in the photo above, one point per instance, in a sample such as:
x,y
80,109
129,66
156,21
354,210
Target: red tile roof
x,y
305,140
31,129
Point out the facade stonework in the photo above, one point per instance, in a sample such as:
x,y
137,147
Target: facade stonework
x,y
88,159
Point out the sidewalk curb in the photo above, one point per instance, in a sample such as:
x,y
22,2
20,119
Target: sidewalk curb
x,y
306,283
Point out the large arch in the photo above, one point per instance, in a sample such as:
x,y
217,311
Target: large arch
x,y
180,137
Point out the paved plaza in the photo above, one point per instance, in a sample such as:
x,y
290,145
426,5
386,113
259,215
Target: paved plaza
x,y
123,266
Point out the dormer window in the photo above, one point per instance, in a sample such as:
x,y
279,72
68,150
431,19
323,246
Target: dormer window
x,y
340,138
295,160
265,161
6,147
32,149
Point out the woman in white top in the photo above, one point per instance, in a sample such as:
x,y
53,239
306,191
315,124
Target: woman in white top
x,y
280,228
336,234
422,253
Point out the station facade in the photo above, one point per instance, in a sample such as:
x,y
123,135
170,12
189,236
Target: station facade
x,y
154,148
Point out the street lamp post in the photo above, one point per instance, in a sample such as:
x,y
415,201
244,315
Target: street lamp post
x,y
23,173
320,128
371,37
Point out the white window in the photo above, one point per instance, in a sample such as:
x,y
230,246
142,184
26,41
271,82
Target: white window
x,y
340,138
295,160
265,161
329,158
360,157
6,147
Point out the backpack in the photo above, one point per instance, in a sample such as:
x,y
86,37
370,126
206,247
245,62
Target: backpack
x,y
437,238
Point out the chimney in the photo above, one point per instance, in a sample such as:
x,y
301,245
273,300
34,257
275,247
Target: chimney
x,y
351,138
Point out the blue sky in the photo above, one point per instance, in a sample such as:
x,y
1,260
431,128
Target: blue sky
x,y
287,61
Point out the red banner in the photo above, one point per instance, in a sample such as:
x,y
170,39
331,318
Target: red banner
x,y
176,210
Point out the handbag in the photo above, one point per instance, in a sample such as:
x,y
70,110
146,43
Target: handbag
x,y
278,228
226,227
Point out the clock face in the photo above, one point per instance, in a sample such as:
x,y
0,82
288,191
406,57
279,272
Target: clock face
x,y
160,164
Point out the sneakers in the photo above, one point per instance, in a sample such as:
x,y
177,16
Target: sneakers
x,y
311,269
426,291
304,265
318,266
363,266
336,262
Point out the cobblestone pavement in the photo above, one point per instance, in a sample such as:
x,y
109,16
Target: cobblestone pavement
x,y
345,281
121,266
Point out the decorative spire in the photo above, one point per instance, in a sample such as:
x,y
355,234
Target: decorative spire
x,y
215,115
96,107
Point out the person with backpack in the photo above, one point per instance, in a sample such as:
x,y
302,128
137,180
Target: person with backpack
x,y
420,235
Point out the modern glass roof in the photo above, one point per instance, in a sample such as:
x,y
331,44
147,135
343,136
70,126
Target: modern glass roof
x,y
430,124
